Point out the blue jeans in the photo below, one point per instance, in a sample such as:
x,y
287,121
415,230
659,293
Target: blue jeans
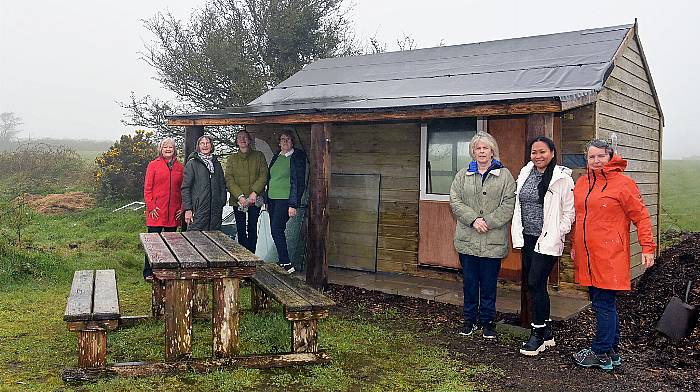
x,y
247,232
279,215
480,276
607,334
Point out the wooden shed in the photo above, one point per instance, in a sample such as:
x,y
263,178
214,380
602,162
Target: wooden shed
x,y
387,132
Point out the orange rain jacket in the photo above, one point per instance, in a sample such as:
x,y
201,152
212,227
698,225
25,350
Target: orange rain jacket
x,y
606,201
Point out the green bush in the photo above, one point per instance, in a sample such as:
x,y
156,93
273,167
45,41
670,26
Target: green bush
x,y
121,170
41,169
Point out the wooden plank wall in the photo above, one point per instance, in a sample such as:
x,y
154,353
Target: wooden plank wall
x,y
577,129
393,151
627,107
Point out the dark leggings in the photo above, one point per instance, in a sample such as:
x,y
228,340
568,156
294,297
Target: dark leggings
x,y
537,268
153,229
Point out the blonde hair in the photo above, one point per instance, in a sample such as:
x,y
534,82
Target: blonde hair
x,y
488,140
167,140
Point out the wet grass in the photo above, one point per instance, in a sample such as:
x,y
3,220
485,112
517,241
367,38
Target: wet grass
x,y
368,353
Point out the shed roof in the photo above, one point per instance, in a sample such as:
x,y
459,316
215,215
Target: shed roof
x,y
564,66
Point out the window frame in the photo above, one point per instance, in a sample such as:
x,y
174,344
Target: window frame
x,y
481,126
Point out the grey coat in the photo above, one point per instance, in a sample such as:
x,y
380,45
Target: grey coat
x,y
494,200
203,193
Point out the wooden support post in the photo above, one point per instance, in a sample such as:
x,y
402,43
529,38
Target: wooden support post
x,y
259,301
200,307
157,299
319,186
304,333
92,348
178,319
225,317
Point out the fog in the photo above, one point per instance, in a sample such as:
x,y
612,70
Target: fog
x,y
64,65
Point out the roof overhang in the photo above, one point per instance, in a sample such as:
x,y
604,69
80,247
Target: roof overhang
x,y
242,116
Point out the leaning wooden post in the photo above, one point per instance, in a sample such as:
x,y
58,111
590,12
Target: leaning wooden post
x,y
319,186
537,125
178,319
225,317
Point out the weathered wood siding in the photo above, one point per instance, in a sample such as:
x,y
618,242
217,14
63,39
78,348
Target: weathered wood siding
x,y
393,151
626,106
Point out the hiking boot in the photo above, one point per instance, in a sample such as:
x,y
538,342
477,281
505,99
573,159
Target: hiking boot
x,y
468,328
587,358
615,357
548,334
489,330
536,343
288,267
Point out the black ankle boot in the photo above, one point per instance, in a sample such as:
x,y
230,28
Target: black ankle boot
x,y
535,344
548,334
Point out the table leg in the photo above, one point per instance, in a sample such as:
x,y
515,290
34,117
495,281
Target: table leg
x,y
157,299
225,317
201,300
178,319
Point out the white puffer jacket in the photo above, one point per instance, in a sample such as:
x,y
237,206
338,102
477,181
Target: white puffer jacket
x,y
559,212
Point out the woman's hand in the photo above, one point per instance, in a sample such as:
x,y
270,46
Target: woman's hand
x,y
292,212
253,197
189,216
480,225
573,253
647,259
154,213
243,201
178,214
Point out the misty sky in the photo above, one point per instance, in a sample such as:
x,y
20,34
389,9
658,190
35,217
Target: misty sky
x,y
63,65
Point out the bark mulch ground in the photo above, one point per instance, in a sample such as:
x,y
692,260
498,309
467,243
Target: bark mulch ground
x,y
651,362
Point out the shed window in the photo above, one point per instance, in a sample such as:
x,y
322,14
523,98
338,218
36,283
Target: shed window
x,y
447,151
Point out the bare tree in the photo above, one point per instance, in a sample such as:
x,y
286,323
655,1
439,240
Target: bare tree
x,y
10,125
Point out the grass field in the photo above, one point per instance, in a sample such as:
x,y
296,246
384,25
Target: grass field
x,y
35,344
680,195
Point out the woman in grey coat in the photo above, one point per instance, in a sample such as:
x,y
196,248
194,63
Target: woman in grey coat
x,y
203,188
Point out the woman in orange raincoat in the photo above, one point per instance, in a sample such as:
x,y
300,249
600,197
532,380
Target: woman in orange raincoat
x,y
606,202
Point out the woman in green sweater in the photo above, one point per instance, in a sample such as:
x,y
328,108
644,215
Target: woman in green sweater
x,y
246,176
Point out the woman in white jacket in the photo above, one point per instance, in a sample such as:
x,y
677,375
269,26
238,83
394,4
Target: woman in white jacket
x,y
544,212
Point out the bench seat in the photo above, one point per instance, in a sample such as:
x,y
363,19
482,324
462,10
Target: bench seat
x,y
303,305
92,310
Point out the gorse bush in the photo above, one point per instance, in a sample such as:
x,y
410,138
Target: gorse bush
x,y
41,169
121,170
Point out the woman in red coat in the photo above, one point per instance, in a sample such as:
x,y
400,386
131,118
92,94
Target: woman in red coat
x,y
606,202
161,192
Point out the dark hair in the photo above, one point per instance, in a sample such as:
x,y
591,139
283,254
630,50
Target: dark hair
x,y
549,171
196,147
602,144
288,133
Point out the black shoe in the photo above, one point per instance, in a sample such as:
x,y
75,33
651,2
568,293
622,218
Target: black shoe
x,y
288,267
468,328
587,358
489,330
548,334
536,343
615,357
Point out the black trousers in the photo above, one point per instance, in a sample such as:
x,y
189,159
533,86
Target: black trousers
x,y
537,268
153,229
279,216
247,230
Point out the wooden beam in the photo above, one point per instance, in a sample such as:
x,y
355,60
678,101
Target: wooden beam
x,y
319,186
192,133
143,369
503,109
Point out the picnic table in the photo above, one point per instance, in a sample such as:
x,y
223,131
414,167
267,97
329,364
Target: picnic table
x,y
180,259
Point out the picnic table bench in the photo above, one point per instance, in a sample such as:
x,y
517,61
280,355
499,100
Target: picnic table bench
x,y
91,311
303,305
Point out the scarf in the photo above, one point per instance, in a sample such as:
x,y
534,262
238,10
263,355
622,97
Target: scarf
x,y
207,159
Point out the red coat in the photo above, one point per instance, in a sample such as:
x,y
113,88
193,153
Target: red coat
x,y
162,189
606,201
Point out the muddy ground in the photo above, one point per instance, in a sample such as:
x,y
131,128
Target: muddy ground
x,y
651,362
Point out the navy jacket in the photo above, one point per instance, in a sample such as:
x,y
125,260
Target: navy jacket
x,y
297,176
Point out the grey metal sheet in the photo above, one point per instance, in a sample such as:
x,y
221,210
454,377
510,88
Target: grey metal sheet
x,y
561,66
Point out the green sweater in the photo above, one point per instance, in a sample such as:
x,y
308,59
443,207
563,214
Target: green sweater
x,y
245,173
280,183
